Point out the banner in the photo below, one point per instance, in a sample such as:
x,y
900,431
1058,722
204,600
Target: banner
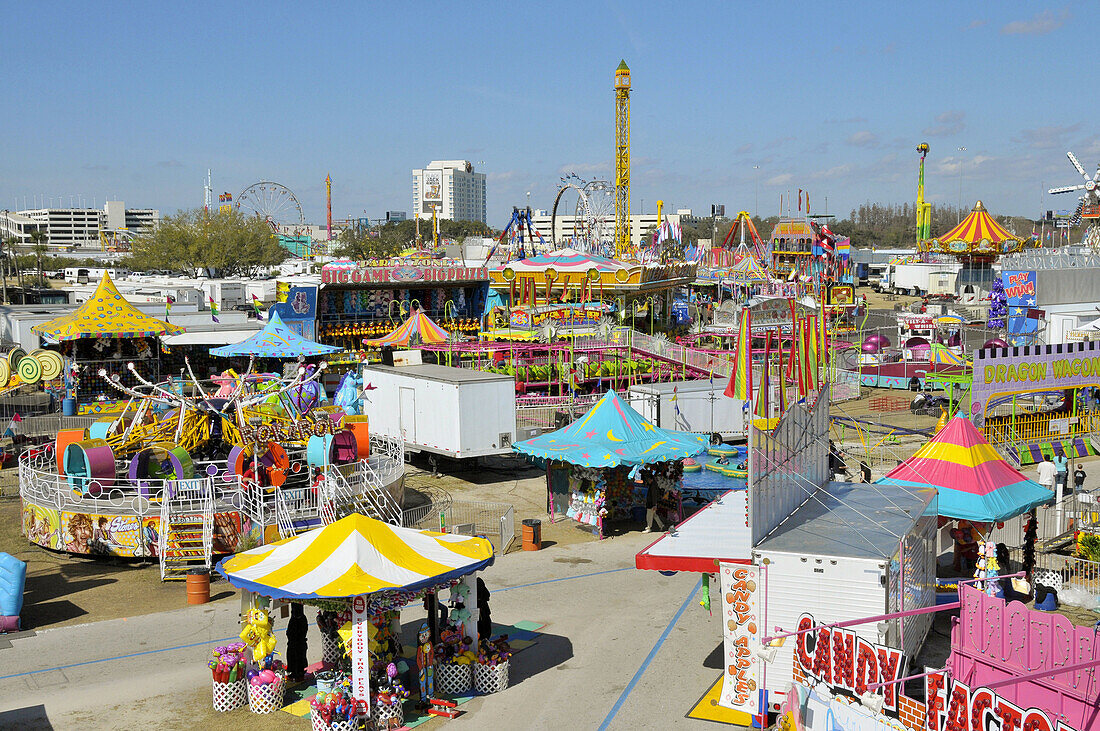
x,y
360,655
742,628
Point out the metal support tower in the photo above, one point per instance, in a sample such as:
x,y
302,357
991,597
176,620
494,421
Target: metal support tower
x,y
328,203
924,210
622,160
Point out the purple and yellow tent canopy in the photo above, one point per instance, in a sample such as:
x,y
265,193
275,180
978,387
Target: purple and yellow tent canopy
x,y
974,481
613,434
418,325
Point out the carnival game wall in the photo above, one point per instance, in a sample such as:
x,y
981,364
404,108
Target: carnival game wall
x,y
831,589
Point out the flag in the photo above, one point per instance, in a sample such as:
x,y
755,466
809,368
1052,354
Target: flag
x,y
214,310
740,385
803,360
762,397
799,200
16,418
168,302
782,376
258,307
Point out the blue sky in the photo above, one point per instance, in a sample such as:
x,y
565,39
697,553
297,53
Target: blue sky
x,y
137,100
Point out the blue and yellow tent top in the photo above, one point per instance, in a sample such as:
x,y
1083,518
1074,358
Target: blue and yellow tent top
x,y
353,556
613,434
939,353
276,340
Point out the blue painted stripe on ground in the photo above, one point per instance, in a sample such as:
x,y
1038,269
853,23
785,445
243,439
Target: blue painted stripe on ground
x,y
281,629
564,578
649,658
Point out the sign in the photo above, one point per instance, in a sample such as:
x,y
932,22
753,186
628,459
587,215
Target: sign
x,y
846,663
360,655
742,622
956,706
299,430
1031,368
402,272
562,316
433,186
843,294
1020,293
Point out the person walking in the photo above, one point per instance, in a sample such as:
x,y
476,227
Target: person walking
x,y
652,497
1047,471
1061,471
1079,478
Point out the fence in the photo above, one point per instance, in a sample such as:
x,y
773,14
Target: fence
x,y
554,414
495,521
50,424
1037,427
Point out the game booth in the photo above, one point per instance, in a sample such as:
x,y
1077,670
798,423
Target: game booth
x,y
361,573
109,334
600,468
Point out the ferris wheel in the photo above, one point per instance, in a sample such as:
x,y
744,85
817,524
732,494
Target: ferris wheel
x,y
273,202
593,216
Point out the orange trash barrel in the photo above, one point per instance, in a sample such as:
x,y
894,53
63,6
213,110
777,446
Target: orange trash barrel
x,y
532,534
198,586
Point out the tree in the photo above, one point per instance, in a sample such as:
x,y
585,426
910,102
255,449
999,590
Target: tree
x,y
39,247
997,305
391,238
228,241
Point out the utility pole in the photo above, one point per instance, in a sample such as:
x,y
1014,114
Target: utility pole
x,y
961,149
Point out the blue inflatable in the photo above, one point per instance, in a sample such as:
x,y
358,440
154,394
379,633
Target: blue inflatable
x,y
13,577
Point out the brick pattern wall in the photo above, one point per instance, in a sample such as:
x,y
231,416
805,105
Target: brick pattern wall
x,y
911,712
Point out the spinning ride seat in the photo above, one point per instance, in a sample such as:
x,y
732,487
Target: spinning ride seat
x,y
339,448
151,463
65,437
89,466
272,456
358,426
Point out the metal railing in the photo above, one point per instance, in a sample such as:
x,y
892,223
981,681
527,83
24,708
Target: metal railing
x,y
495,521
1026,428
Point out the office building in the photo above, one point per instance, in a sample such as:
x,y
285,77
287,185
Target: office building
x,y
451,188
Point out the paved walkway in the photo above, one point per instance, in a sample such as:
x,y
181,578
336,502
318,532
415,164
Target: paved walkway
x,y
621,649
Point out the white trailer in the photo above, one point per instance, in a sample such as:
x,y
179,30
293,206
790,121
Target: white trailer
x,y
830,561
455,412
699,406
920,278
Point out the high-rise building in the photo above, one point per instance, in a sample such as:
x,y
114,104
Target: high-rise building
x,y
451,188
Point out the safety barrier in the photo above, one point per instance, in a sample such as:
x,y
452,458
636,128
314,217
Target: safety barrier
x,y
1027,428
495,521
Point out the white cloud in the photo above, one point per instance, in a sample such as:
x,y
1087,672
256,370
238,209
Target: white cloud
x,y
863,138
949,123
1046,138
1042,23
781,179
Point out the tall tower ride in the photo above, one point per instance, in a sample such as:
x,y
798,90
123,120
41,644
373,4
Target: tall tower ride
x,y
622,160
328,203
924,210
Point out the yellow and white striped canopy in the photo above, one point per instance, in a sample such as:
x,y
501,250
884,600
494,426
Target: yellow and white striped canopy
x,y
355,555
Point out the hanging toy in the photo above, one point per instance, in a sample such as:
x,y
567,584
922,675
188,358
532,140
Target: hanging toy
x,y
257,635
705,603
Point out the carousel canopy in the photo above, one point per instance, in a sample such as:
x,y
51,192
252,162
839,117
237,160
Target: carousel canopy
x,y
974,481
978,233
276,340
613,434
749,271
106,314
564,260
420,325
355,555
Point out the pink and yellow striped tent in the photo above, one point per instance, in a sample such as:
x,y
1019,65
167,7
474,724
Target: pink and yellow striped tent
x,y
419,326
974,481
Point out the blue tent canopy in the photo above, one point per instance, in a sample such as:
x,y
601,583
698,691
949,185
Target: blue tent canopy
x,y
276,340
613,434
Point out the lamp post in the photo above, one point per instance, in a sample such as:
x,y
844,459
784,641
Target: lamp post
x,y
756,175
961,149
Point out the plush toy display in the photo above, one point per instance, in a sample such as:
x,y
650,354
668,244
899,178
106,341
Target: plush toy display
x,y
257,635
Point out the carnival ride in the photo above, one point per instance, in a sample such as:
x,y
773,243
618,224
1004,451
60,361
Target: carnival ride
x,y
1088,204
188,467
623,247
272,202
593,216
924,210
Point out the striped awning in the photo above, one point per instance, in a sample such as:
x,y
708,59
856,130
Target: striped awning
x,y
353,556
419,325
974,481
